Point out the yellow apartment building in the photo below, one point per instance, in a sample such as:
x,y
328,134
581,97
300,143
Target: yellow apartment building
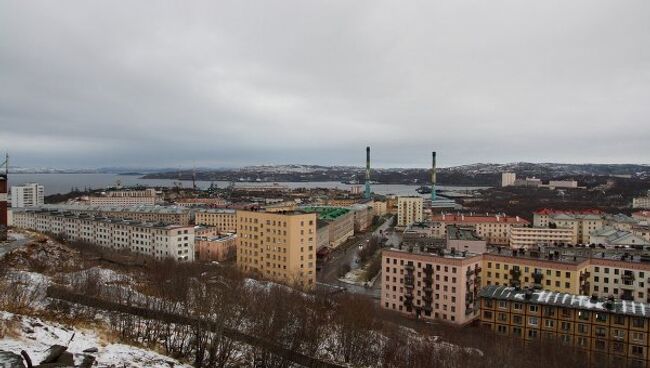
x,y
609,331
278,246
559,273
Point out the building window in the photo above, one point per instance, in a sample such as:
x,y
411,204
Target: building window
x,y
533,321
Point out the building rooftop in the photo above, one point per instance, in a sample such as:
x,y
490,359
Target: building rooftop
x,y
565,300
216,210
575,254
459,233
434,251
550,211
112,220
325,212
99,208
471,219
540,254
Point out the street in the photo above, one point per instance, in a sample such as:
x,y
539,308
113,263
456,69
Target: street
x,y
328,275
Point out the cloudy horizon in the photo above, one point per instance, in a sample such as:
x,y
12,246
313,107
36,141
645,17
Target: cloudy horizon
x,y
228,84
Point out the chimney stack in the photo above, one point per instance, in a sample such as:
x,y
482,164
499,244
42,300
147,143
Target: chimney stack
x,y
433,175
367,191
4,186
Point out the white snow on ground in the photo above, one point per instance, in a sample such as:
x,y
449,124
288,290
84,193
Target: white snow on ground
x,y
35,336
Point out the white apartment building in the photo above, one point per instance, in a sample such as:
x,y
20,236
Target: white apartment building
x,y
527,237
641,202
125,198
28,195
154,240
508,179
409,210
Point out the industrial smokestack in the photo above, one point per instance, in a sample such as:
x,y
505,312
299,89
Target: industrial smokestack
x,y
367,191
4,186
433,176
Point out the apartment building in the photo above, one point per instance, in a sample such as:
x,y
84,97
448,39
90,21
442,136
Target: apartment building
x,y
409,210
542,269
606,330
527,237
196,202
495,229
27,195
216,248
363,215
610,236
465,239
508,179
278,246
171,215
618,273
582,222
379,208
431,284
340,222
125,198
641,202
225,220
154,240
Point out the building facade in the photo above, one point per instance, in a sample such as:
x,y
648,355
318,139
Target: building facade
x,y
465,239
278,246
216,248
558,272
495,229
409,210
526,237
225,220
608,331
642,202
125,198
440,285
508,179
27,195
154,240
170,215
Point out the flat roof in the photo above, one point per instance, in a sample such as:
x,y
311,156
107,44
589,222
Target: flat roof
x,y
459,233
326,213
551,298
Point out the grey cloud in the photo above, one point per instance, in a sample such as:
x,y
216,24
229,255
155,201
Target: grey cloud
x,y
232,83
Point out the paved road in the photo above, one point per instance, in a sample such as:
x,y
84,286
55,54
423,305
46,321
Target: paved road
x,y
329,273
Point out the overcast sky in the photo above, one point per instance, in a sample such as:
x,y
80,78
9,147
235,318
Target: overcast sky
x,y
230,83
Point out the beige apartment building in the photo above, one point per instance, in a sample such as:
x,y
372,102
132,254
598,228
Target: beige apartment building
x,y
125,198
535,269
154,240
278,246
618,273
527,237
379,208
495,229
582,223
225,220
409,210
431,284
362,214
338,221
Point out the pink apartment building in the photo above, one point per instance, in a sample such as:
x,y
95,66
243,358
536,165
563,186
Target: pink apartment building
x,y
432,284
